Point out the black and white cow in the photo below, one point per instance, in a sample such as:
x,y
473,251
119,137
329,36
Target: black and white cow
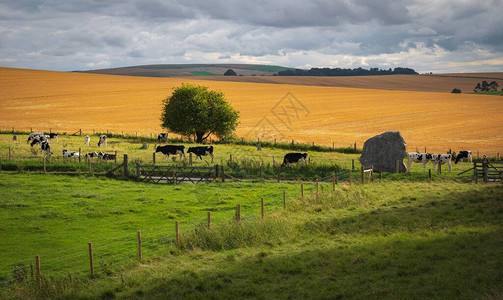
x,y
52,136
46,148
294,157
91,155
70,154
171,150
202,151
106,156
418,158
87,140
464,154
162,138
102,141
34,135
441,159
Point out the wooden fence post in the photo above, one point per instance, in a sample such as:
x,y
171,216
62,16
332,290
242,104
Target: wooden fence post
x,y
190,159
137,171
352,164
284,199
126,170
80,131
429,175
91,261
153,158
177,234
273,160
302,191
425,150
238,213
80,154
230,157
209,219
439,168
262,207
475,173
138,237
37,266
355,147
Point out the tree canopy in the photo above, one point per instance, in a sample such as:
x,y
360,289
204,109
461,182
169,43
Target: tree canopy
x,y
193,110
230,72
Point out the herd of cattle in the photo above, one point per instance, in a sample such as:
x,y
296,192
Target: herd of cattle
x,y
199,152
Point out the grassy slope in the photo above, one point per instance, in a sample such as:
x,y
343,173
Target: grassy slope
x,y
384,240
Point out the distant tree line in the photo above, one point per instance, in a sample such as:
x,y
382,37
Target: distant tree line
x,y
344,72
486,87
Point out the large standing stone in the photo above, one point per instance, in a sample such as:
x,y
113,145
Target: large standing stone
x,y
382,151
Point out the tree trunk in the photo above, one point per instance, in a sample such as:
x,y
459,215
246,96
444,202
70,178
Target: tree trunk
x,y
199,137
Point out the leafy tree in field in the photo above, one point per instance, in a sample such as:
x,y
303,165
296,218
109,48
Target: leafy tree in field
x,y
230,72
456,91
486,87
195,110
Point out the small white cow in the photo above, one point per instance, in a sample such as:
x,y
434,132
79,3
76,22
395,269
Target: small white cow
x,y
418,158
46,148
441,159
87,140
102,141
71,154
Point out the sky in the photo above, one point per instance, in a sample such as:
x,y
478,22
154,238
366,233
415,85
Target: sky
x,y
439,36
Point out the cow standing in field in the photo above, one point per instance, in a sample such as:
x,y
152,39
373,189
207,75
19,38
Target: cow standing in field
x,y
106,156
202,151
46,148
34,135
102,141
52,136
291,158
418,158
162,138
171,150
464,154
441,159
87,140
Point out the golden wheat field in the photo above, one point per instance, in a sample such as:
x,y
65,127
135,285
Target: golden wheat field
x,y
66,102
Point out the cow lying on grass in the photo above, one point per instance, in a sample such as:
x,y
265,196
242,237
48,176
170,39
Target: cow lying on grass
x,y
70,154
291,158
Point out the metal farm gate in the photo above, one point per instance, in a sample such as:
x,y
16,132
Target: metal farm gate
x,y
175,174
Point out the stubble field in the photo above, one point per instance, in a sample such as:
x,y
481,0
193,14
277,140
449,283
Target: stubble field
x,y
66,102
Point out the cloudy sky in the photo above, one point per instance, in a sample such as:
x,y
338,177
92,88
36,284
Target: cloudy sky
x,y
427,35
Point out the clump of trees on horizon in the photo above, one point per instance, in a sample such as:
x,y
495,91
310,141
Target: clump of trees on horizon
x,y
486,87
345,72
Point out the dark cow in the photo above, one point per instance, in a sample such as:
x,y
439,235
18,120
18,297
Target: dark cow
x,y
291,158
162,138
52,136
202,151
171,150
46,148
464,154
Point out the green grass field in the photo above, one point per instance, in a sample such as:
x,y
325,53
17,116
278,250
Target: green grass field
x,y
396,238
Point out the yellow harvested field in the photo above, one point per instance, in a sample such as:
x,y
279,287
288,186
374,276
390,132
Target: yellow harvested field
x,y
66,102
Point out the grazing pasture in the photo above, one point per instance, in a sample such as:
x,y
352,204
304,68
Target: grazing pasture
x,y
72,101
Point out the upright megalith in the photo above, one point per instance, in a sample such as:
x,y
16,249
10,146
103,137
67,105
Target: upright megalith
x,y
383,151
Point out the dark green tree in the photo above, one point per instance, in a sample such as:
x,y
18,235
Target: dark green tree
x,y
193,110
230,72
456,91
